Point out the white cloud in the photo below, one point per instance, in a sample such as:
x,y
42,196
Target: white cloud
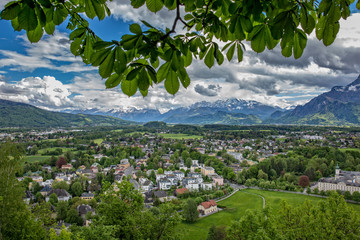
x,y
46,92
51,52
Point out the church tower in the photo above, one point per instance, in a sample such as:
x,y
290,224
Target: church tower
x,y
337,171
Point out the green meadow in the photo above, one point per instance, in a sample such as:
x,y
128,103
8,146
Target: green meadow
x,y
237,205
179,136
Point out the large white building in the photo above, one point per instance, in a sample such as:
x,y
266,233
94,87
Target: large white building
x,y
343,181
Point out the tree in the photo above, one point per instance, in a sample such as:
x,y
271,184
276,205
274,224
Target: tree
x,y
42,211
16,221
61,161
60,185
53,199
77,189
61,210
134,61
190,212
73,217
304,181
160,171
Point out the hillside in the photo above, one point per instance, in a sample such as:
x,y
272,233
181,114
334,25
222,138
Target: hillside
x,y
14,114
340,106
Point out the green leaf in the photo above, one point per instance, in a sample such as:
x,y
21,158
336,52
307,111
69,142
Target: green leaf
x,y
40,15
99,56
143,81
89,9
120,60
137,3
49,28
154,5
152,73
184,77
88,49
170,4
107,66
188,58
230,52
240,52
270,41
101,45
15,24
358,4
129,87
99,10
113,81
59,15
135,28
75,46
45,3
258,41
210,58
36,34
163,71
133,73
27,19
172,82
11,11
144,93
77,33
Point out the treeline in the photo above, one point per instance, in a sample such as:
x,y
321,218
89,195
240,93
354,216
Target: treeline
x,y
314,162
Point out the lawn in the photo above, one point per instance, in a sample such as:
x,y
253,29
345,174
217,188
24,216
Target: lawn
x,y
349,149
238,204
98,141
236,207
179,136
36,158
64,150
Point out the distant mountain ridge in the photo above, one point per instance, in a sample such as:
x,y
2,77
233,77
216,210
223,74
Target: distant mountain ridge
x,y
15,114
340,106
229,111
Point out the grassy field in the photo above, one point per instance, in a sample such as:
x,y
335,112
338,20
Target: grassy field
x,y
64,150
236,207
36,158
349,149
98,141
179,136
238,204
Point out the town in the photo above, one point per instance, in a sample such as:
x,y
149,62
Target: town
x,y
69,169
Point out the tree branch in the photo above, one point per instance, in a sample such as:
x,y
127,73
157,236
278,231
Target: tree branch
x,y
177,18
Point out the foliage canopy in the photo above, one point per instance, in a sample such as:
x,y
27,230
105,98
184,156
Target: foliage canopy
x,y
150,55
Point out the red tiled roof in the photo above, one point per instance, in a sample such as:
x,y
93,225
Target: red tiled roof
x,y
181,190
208,204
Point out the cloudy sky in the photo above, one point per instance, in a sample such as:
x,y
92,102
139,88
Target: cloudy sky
x,y
47,75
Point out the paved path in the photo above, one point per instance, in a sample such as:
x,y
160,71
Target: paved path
x,y
257,195
227,196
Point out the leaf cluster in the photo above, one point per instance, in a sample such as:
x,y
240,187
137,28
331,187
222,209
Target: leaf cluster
x,y
149,55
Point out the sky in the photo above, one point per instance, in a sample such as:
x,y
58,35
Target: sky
x,y
47,75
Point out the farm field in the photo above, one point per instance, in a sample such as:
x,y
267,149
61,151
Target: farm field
x,y
179,136
236,207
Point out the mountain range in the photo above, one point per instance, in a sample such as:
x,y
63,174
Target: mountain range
x,y
339,106
15,114
230,111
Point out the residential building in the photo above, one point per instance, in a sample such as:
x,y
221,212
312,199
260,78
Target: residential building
x,y
217,180
61,194
343,181
87,196
164,184
207,207
207,171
